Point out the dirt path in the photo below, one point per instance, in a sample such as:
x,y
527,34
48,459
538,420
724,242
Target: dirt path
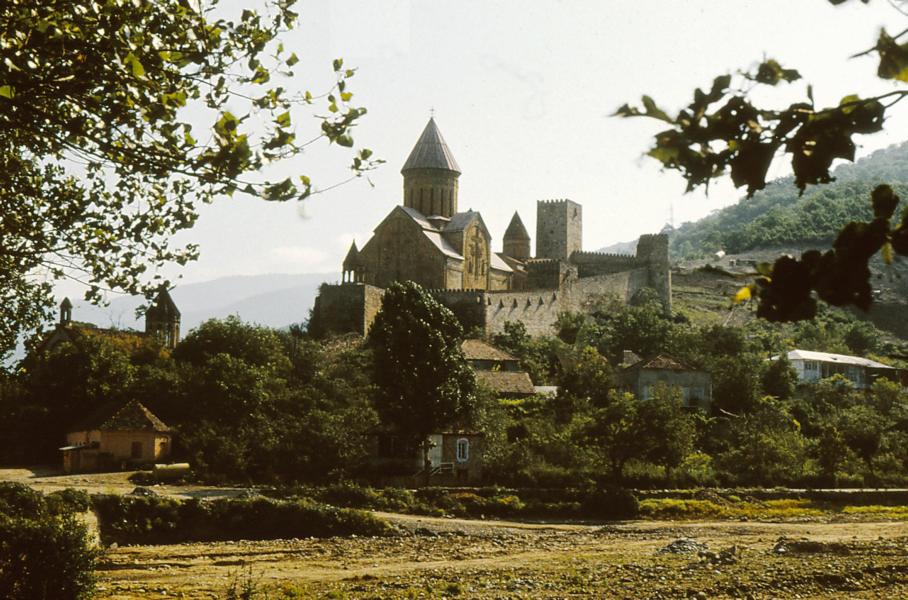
x,y
50,480
494,559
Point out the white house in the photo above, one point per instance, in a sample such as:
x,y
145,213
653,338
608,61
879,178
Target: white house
x,y
862,372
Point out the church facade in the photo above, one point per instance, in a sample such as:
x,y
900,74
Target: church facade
x,y
428,240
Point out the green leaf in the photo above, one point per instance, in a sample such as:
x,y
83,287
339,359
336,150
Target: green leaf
x,y
283,119
138,70
7,91
338,64
292,60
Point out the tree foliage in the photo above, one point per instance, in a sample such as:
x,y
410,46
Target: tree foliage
x,y
100,161
722,131
424,382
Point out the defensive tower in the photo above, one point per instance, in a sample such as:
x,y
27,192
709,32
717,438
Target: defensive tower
x,y
559,227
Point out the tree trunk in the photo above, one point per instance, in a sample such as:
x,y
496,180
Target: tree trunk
x,y
426,463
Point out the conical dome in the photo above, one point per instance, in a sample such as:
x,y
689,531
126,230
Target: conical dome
x,y
516,230
431,152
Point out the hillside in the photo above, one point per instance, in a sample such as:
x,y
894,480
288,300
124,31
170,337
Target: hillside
x,y
777,216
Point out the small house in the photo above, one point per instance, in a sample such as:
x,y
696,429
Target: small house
x,y
861,372
131,436
641,377
455,457
497,370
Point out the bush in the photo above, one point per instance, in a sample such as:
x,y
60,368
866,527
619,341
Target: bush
x,y
18,500
68,501
611,503
46,558
163,520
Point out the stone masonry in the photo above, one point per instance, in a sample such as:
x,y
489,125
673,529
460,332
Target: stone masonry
x,y
428,241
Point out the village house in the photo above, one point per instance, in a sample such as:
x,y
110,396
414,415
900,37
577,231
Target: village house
x,y
455,458
497,370
640,377
812,366
131,436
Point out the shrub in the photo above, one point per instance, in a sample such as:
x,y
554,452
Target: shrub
x,y
68,501
163,520
611,503
46,558
18,500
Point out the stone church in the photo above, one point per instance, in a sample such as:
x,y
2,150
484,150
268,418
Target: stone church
x,y
428,241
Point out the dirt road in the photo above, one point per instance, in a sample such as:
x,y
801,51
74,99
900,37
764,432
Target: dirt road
x,y
480,559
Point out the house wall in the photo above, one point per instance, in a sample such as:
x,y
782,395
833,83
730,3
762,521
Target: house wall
x,y
119,445
471,468
696,386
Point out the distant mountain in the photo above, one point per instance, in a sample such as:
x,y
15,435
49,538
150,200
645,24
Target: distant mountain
x,y
620,248
778,216
273,300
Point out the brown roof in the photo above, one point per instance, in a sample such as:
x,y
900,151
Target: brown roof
x,y
474,349
662,361
507,382
133,417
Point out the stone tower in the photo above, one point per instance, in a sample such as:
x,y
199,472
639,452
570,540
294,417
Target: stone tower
x,y
516,239
430,175
653,249
559,226
162,319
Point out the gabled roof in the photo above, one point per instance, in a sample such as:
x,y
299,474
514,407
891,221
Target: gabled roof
x,y
475,349
163,306
432,234
516,230
431,152
517,383
498,263
66,303
661,361
842,359
133,417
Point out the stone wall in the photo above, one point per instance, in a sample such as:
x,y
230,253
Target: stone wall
x,y
349,307
537,310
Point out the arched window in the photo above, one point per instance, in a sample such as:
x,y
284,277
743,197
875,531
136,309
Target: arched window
x,y
463,450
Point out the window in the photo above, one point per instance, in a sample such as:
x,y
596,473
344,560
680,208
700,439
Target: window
x,y
463,450
136,450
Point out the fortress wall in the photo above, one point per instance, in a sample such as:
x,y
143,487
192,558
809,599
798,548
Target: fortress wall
x,y
585,292
537,310
345,308
467,305
590,264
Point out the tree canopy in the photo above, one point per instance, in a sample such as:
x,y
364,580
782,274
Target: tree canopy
x,y
100,162
722,131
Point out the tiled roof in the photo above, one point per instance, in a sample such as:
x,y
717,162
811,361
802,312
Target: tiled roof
x,y
431,152
662,361
474,349
133,417
516,230
507,382
836,358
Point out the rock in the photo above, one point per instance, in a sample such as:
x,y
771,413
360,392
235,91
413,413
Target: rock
x,y
683,546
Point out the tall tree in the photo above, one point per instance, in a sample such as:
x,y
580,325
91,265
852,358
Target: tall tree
x,y
722,131
100,164
424,382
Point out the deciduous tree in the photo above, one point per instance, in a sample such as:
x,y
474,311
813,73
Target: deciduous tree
x,y
100,162
722,131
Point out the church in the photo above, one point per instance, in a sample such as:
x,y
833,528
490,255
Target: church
x,y
427,240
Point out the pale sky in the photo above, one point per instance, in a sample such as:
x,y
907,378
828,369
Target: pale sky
x,y
523,92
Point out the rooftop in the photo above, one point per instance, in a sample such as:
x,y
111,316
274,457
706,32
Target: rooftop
x,y
842,359
431,152
475,349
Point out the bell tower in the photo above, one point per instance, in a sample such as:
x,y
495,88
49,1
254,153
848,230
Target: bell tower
x,y
431,174
162,319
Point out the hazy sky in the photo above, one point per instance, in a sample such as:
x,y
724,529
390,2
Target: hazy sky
x,y
523,92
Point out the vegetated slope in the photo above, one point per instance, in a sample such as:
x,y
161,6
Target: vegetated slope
x,y
778,216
